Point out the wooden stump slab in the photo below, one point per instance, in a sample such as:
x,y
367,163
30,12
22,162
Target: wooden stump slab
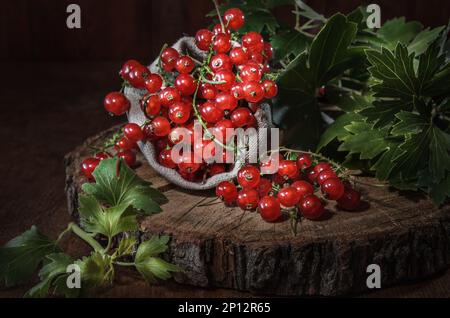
x,y
218,246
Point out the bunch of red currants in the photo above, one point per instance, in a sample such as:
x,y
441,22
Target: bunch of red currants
x,y
289,187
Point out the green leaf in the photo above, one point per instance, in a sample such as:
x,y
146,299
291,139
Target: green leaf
x,y
96,269
383,113
110,221
125,188
289,43
151,266
308,12
354,103
337,129
260,20
54,269
20,257
126,246
398,31
423,40
440,191
410,123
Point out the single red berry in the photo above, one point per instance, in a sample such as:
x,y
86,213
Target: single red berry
x,y
350,200
151,105
226,101
253,41
303,188
210,113
116,103
218,29
167,67
248,199
220,132
256,57
165,158
161,144
288,197
240,117
220,61
180,134
253,92
269,208
125,144
311,175
222,43
188,163
268,51
179,112
325,175
249,176
185,84
138,75
237,90
322,166
271,164
234,18
168,96
88,166
133,132
216,168
270,89
102,155
333,188
264,187
238,56
227,79
287,169
227,192
127,67
169,56
184,64
304,161
153,83
203,39
251,72
160,126
311,207
129,156
208,91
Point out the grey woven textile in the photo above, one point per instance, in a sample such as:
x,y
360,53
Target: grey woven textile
x,y
136,115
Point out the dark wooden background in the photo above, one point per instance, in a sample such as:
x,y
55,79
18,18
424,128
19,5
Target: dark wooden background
x,y
119,29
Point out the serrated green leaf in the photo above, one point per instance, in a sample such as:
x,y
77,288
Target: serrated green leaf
x,y
423,40
410,123
153,247
439,153
126,246
289,43
368,143
383,113
308,12
125,188
336,130
354,102
385,163
96,269
20,257
397,31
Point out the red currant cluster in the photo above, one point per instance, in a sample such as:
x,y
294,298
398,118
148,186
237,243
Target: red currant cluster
x,y
222,91
290,188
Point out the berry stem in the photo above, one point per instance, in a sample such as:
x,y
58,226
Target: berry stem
x,y
216,5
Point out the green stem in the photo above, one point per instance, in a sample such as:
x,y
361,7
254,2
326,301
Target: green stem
x,y
124,264
216,5
86,237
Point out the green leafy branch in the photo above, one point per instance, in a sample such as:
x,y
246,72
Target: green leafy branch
x,y
108,210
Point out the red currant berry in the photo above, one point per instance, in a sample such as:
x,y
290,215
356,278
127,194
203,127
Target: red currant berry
x,y
116,103
303,188
168,96
179,112
311,175
102,155
185,84
218,29
167,67
234,18
325,175
304,161
133,132
238,56
350,200
153,83
251,72
287,169
184,64
188,164
169,56
249,176
322,166
180,134
210,113
253,40
151,105
208,91
271,164
161,144
222,43
240,117
165,158
311,207
268,51
269,208
264,187
160,126
253,92
248,199
220,61
219,130
237,90
226,101
203,39
216,168
333,188
227,79
138,75
227,192
125,144
127,67
270,89
256,57
129,156
88,166
288,197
